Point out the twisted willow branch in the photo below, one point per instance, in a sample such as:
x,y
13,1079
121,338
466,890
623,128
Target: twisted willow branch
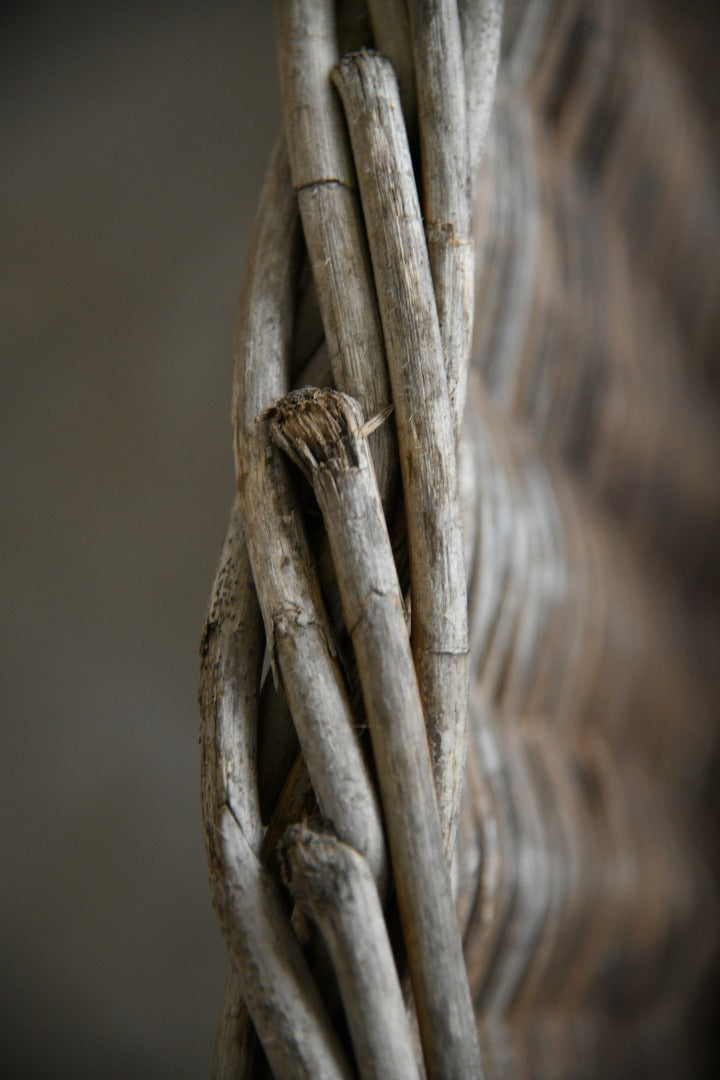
x,y
580,879
323,432
300,638
335,888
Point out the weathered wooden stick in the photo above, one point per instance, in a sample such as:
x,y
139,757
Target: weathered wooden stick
x,y
334,887
270,973
423,415
481,28
324,179
231,659
446,197
323,433
289,1016
391,33
296,625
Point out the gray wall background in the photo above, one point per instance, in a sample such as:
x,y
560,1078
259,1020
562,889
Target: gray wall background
x,y
134,139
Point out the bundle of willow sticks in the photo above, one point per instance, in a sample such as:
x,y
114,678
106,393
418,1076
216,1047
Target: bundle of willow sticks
x,y
459,669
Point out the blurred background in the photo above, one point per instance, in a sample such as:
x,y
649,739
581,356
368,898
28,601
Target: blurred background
x,y
134,140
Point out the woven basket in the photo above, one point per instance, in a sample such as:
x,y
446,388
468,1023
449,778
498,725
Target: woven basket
x,y
458,737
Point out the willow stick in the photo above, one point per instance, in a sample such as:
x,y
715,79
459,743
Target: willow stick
x,y
391,33
231,660
424,420
324,179
442,121
481,30
297,1036
332,884
269,972
277,738
323,432
236,1042
296,625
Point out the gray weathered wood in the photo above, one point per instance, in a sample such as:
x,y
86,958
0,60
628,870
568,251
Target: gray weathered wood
x,y
231,659
391,33
423,414
446,195
269,970
333,885
481,27
323,433
324,179
297,629
288,1014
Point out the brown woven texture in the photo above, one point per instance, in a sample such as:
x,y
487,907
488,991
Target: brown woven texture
x,y
487,569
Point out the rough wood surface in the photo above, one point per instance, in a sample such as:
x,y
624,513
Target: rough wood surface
x,y
423,413
298,633
335,888
286,1008
324,179
391,34
232,649
446,194
580,596
323,433
481,28
269,969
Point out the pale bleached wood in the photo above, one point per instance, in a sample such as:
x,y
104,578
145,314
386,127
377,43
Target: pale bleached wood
x,y
289,1016
481,28
324,179
446,196
231,660
583,691
273,975
323,433
391,33
334,887
270,973
423,414
297,629
277,738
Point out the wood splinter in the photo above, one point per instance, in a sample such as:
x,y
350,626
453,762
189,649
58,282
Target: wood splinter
x,y
323,432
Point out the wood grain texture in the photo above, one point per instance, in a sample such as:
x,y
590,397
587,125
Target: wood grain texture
x,y
579,605
323,433
324,178
423,414
335,888
298,633
446,194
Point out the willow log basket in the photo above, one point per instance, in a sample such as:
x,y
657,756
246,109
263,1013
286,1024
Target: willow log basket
x,y
459,751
